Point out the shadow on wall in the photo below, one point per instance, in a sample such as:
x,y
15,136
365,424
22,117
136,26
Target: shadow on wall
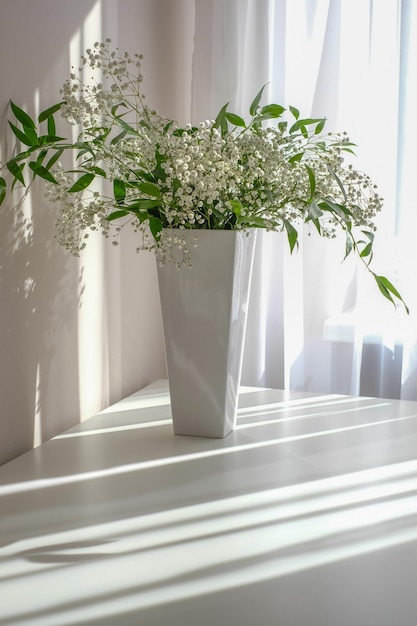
x,y
37,322
38,280
59,364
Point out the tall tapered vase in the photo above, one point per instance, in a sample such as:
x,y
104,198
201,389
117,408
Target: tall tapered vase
x,y
204,312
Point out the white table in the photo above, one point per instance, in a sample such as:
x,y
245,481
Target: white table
x,y
306,515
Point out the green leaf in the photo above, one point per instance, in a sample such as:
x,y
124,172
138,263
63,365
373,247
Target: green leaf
x,y
339,182
254,106
155,226
28,138
295,112
320,127
262,118
119,190
388,290
221,117
117,215
367,251
116,106
54,158
16,169
256,222
44,115
127,127
316,223
3,189
235,119
368,248
296,157
309,121
179,132
338,209
49,139
51,125
224,126
82,183
312,180
369,234
118,137
273,110
168,126
41,156
98,171
292,234
256,124
146,204
236,207
40,170
301,125
22,156
349,246
23,117
150,189
143,175
388,285
314,211
83,145
140,213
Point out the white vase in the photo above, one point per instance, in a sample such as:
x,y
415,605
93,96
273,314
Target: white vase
x,y
204,312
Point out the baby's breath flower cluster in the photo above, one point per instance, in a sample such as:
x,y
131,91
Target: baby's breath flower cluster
x,y
273,170
221,174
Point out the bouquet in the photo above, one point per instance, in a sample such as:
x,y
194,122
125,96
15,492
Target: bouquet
x,y
129,166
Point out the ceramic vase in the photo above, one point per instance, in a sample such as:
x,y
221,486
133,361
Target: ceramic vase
x,y
204,311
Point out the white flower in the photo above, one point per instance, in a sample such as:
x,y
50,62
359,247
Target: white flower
x,y
155,172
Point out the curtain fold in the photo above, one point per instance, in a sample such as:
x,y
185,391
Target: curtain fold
x,y
316,323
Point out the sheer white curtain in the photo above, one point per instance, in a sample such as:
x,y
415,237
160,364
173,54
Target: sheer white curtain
x,y
316,323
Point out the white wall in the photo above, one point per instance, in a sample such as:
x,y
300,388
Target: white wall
x,y
77,334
